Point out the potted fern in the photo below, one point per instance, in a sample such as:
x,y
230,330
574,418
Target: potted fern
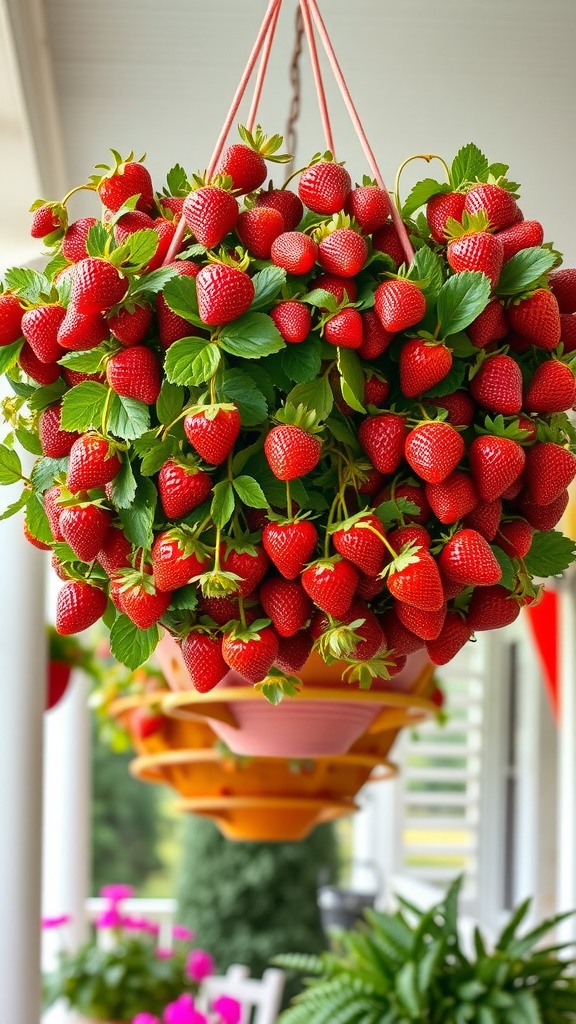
x,y
410,967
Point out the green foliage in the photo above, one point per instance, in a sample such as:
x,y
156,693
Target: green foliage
x,y
410,967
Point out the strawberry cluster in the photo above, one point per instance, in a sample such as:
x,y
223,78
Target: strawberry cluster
x,y
270,432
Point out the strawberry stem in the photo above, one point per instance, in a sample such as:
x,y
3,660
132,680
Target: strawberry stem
x,y
288,500
106,410
78,188
242,612
416,156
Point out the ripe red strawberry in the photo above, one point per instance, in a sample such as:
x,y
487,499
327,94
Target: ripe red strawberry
x,y
343,252
182,487
176,559
144,723
492,608
413,534
399,304
563,285
44,221
498,385
452,499
495,462
287,203
294,651
224,293
74,242
515,538
422,365
73,377
140,601
324,187
42,373
414,494
258,228
568,332
490,325
291,451
97,285
485,518
382,438
427,625
134,373
84,528
115,551
220,609
331,584
524,235
244,165
552,388
93,463
541,517
202,654
10,319
433,450
372,639
125,180
40,328
370,206
55,442
130,326
53,510
440,208
342,288
499,205
78,606
386,240
293,319
210,213
459,406
131,222
290,545
212,431
468,559
81,331
376,391
34,540
250,653
375,340
537,318
369,586
248,561
344,328
549,470
456,632
362,542
400,640
418,583
477,250
165,229
294,251
172,327
286,603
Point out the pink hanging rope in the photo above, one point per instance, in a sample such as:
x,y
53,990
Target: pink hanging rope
x,y
262,69
322,104
371,159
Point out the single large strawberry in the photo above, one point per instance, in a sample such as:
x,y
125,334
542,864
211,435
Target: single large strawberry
x,y
453,498
343,252
324,187
417,583
376,391
250,652
375,340
552,388
182,487
126,179
115,551
382,438
344,329
541,517
134,373
467,558
139,599
81,331
11,313
490,325
515,537
84,528
258,228
290,545
293,319
78,606
202,654
294,251
97,285
549,470
477,250
456,632
485,518
331,583
370,207
563,285
73,246
294,651
291,451
131,324
498,385
224,293
427,625
400,639
40,328
287,203
247,561
422,365
399,304
244,165
458,405
495,462
286,603
492,608
42,373
212,431
361,541
176,559
440,208
45,220
433,450
537,318
526,234
210,213
499,205
55,442
93,463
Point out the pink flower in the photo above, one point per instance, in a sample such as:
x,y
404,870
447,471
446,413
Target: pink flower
x,y
183,1012
117,892
199,965
109,919
145,1018
163,954
55,922
229,1010
182,934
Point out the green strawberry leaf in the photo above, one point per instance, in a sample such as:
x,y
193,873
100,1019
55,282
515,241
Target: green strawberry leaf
x,y
45,472
123,487
158,452
421,193
237,386
321,299
263,381
451,382
127,417
170,402
460,300
41,398
28,284
9,355
36,519
222,503
551,553
427,266
55,265
315,395
154,282
97,240
242,457
524,269
252,336
268,284
137,250
469,165
10,466
29,441
302,362
131,645
508,574
392,512
86,362
180,296
249,491
351,378
16,506
185,599
192,361
342,431
137,520
83,406
177,181
461,346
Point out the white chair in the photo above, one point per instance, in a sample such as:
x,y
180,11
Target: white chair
x,y
260,999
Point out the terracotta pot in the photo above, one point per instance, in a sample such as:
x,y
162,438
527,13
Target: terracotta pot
x,y
267,819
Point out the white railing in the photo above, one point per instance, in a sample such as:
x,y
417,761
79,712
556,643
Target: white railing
x,y
160,911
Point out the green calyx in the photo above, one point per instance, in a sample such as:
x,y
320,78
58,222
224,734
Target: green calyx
x,y
498,427
472,223
299,416
338,641
266,146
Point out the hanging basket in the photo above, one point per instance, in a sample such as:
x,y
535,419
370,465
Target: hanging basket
x,y
172,734
267,819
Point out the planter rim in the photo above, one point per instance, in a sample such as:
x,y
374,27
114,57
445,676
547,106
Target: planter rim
x,y
184,756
